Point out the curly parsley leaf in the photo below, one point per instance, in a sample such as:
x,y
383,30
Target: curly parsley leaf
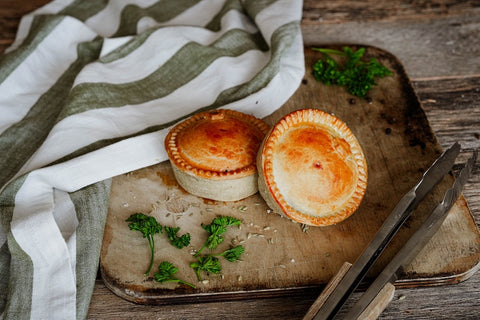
x,y
166,273
177,241
148,226
357,76
209,264
233,254
215,229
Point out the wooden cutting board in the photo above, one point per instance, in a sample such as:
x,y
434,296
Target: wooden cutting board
x,y
283,257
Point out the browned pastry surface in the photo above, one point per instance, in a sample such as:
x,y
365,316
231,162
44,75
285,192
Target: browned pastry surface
x,y
314,168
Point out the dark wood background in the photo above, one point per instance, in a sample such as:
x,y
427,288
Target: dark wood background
x,y
438,43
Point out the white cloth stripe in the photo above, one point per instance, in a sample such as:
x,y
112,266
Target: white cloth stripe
x,y
67,221
38,235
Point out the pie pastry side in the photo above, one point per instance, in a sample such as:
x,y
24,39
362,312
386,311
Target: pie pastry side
x,y
213,154
312,168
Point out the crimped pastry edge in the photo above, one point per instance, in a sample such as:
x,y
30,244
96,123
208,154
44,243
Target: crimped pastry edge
x,y
270,192
176,158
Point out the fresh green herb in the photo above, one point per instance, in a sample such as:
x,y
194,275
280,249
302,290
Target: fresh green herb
x,y
215,230
209,264
179,242
232,254
148,226
166,272
356,75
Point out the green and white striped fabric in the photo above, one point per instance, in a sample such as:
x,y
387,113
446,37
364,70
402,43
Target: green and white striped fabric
x,y
88,90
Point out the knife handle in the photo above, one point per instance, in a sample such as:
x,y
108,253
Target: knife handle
x,y
312,312
379,303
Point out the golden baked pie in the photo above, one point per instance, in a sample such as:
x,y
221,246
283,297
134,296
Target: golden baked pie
x,y
213,154
312,168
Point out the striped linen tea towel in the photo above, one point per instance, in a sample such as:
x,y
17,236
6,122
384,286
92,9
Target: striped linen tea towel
x,y
88,91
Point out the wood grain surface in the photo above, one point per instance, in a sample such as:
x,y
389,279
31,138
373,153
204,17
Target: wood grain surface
x,y
281,257
438,42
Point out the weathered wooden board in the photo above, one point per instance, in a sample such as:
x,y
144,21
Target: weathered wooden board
x,y
282,258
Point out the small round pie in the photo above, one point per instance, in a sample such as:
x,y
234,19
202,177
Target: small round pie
x,y
312,168
213,154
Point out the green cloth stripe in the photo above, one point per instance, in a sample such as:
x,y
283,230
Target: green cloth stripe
x,y
91,205
82,10
282,39
20,282
15,287
24,137
176,72
40,28
215,23
4,275
160,12
253,7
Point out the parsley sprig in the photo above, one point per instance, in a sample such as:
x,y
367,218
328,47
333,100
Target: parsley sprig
x,y
166,273
177,241
211,264
215,229
356,75
148,226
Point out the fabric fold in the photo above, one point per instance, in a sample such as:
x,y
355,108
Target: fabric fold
x,y
89,90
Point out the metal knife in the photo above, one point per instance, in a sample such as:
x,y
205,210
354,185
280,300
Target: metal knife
x,y
351,278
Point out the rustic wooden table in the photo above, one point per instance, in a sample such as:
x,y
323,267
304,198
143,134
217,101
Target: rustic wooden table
x,y
438,43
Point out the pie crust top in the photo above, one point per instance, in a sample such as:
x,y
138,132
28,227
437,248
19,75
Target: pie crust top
x,y
218,144
314,167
